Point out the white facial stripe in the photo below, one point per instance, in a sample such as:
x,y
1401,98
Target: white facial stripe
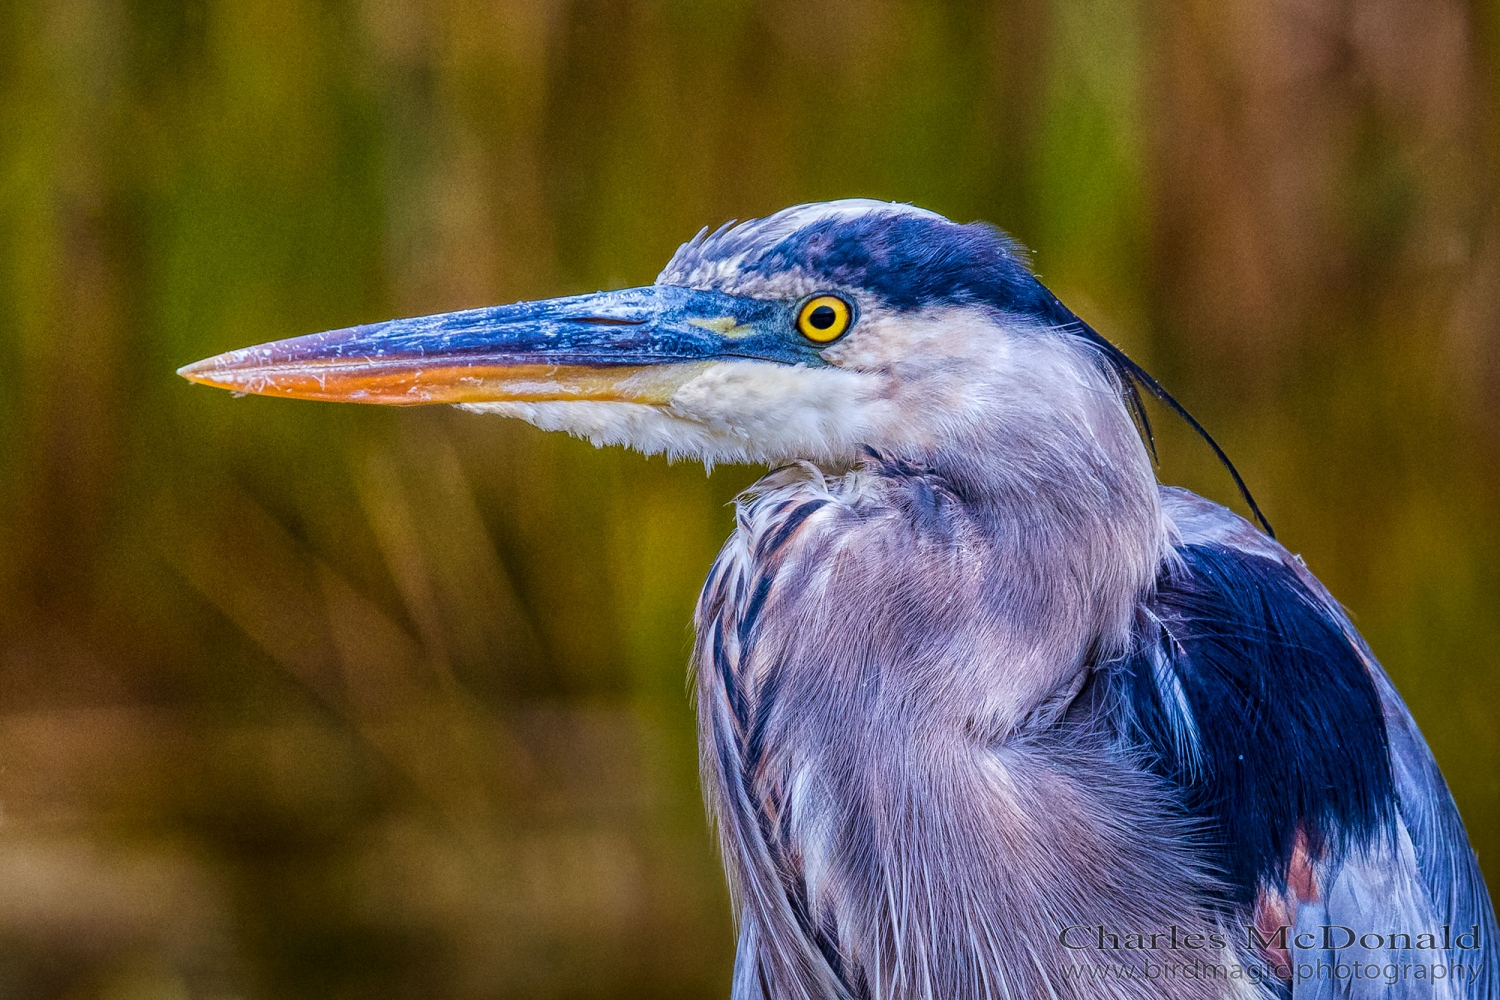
x,y
735,411
781,411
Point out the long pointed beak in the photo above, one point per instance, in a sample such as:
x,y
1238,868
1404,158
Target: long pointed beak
x,y
632,345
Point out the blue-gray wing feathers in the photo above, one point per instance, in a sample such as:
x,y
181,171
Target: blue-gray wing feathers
x,y
1351,772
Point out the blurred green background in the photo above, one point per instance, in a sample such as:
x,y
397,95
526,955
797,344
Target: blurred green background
x,y
300,700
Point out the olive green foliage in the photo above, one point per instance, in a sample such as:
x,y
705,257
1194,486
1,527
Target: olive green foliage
x,y
300,700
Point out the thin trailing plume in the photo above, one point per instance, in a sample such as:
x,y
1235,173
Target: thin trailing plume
x,y
1133,378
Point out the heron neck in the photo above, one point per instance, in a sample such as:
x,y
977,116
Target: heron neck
x,y
1070,511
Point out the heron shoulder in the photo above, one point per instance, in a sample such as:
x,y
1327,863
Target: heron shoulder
x,y
1256,693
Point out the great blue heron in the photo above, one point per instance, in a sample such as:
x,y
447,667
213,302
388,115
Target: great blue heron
x,y
985,711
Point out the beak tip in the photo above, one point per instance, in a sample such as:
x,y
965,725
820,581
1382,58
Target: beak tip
x,y
209,371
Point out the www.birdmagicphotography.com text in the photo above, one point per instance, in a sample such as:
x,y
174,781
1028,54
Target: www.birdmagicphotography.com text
x,y
1256,954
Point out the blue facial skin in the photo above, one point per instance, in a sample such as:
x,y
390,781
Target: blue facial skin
x,y
656,324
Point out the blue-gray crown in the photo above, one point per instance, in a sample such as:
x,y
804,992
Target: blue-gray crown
x,y
904,258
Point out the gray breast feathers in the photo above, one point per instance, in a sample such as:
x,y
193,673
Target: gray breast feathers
x,y
905,808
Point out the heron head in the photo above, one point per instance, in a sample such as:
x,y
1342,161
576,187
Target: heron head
x,y
816,333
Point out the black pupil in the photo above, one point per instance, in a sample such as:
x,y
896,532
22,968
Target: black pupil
x,y
822,317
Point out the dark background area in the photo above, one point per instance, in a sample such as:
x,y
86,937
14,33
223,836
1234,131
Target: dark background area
x,y
301,700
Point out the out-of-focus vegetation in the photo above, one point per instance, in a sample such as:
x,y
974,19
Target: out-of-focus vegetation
x,y
301,700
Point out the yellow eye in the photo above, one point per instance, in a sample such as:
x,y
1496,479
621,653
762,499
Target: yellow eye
x,y
823,318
